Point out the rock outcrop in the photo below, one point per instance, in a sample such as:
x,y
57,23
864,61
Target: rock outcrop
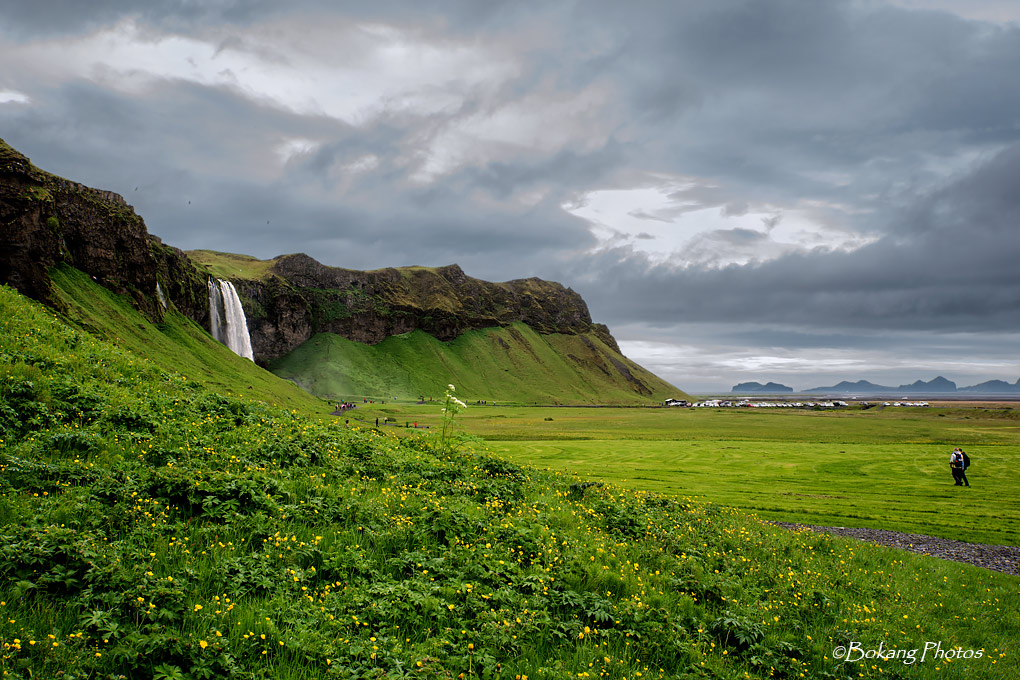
x,y
301,297
46,220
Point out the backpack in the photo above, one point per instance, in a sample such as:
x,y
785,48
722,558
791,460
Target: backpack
x,y
966,460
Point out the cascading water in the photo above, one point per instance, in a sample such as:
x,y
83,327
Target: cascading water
x,y
227,321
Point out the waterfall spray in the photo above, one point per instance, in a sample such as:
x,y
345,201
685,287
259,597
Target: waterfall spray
x,y
226,318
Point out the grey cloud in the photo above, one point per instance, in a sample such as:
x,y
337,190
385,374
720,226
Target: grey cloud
x,y
735,209
904,121
59,17
952,267
379,220
798,85
642,215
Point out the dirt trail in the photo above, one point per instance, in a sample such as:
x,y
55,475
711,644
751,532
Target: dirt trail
x,y
1003,558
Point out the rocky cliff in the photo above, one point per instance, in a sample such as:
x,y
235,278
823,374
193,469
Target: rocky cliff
x,y
46,220
296,297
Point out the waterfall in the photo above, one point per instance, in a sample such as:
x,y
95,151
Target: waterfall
x,y
216,318
226,318
159,294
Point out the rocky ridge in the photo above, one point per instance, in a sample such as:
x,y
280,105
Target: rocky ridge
x,y
301,297
47,221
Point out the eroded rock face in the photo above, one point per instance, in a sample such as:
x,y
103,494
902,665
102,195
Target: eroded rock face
x,y
302,297
279,317
46,220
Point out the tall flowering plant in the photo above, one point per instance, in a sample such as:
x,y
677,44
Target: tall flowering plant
x,y
451,407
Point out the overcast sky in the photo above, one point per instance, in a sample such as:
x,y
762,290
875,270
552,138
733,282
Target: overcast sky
x,y
801,191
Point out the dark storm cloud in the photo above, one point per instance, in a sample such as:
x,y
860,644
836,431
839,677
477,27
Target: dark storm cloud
x,y
897,125
191,199
764,94
61,17
948,264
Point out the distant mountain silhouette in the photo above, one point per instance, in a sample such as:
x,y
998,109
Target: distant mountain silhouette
x,y
769,388
992,387
938,385
859,387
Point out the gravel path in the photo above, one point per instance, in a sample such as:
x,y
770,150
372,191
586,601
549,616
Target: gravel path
x,y
1004,558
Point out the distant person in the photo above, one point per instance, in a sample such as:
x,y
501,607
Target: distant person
x,y
958,464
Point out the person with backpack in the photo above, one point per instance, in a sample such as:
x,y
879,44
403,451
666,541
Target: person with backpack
x,y
958,463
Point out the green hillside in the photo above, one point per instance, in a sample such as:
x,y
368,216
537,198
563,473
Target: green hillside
x,y
230,265
512,364
153,527
177,344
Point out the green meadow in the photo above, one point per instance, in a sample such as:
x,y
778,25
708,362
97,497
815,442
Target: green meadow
x,y
877,467
162,519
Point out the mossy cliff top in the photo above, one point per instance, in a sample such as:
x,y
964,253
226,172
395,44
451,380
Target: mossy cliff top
x,y
302,296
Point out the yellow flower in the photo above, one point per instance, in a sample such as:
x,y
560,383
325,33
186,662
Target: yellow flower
x,y
203,644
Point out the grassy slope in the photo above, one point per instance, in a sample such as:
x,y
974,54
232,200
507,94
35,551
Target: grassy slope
x,y
505,364
150,527
498,364
230,265
177,344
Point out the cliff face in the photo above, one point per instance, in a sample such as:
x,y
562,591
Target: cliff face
x,y
46,220
301,297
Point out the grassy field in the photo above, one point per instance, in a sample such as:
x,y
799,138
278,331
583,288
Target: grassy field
x,y
880,467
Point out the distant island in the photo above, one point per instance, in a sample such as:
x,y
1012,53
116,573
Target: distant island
x,y
758,388
936,386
